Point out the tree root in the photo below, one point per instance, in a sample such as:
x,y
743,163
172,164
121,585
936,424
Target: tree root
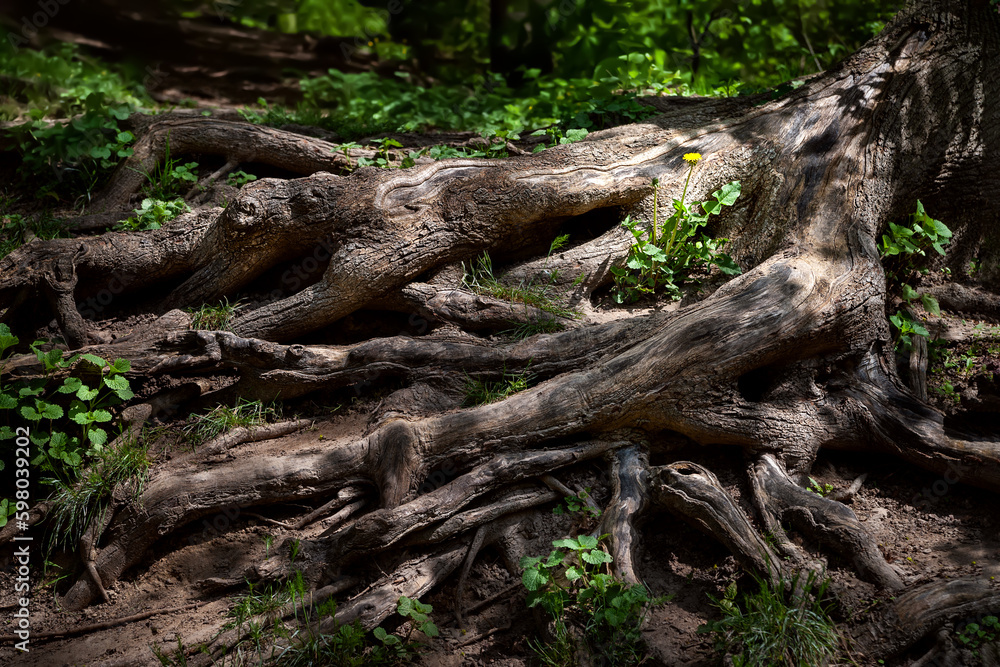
x,y
471,312
915,613
470,558
382,528
239,142
346,496
694,494
244,434
828,521
629,498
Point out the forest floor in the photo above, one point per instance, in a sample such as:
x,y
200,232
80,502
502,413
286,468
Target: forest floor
x,y
929,526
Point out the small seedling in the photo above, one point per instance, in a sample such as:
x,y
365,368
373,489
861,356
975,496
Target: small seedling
x,y
577,503
820,489
238,179
573,584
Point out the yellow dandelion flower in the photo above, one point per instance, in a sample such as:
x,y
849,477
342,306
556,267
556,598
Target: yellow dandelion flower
x,y
692,157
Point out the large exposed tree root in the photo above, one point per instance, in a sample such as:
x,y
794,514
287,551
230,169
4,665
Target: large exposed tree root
x,y
790,357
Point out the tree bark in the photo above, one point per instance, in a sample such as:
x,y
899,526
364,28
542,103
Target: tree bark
x,y
790,357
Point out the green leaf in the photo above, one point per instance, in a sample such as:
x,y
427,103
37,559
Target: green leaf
x,y
85,393
429,629
405,606
587,541
534,579
566,543
72,459
728,194
908,293
931,304
7,402
97,436
122,365
48,410
100,152
70,385
30,414
6,433
712,207
529,561
573,573
421,608
94,359
596,557
6,338
726,264
30,391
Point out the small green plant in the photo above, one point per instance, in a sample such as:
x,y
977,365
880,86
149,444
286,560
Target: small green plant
x,y
213,318
178,659
575,504
418,614
168,179
819,489
662,258
222,418
906,328
481,392
974,635
899,247
123,469
347,147
776,625
17,229
84,398
63,159
350,645
947,390
524,330
153,213
383,157
238,179
573,584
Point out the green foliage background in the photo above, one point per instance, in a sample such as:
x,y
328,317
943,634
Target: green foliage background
x,y
757,42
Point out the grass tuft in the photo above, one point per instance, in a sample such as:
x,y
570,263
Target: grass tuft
x,y
74,508
479,277
213,318
479,391
776,626
222,418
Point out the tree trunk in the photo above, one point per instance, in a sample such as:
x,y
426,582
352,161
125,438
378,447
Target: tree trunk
x,y
790,357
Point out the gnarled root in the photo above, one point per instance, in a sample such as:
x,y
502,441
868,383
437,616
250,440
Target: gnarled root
x,y
827,520
693,493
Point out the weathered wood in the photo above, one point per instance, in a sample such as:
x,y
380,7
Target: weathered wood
x,y
694,494
790,357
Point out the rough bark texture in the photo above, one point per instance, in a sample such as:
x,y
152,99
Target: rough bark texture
x,y
792,356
